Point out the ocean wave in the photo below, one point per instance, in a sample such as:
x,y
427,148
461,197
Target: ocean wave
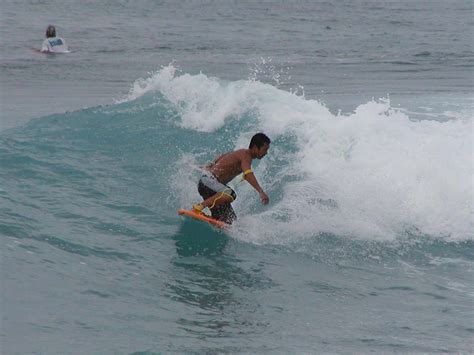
x,y
374,174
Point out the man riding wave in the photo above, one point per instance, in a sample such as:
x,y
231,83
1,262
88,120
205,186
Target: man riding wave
x,y
213,187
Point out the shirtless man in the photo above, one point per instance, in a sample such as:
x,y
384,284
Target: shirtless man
x,y
212,185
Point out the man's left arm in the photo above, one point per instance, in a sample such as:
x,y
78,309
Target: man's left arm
x,y
252,180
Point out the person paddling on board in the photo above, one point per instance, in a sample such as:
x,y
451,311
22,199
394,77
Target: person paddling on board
x,y
212,185
53,44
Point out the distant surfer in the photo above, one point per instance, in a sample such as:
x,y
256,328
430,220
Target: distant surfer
x,y
53,44
212,185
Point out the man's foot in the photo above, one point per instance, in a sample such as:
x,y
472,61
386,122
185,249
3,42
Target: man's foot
x,y
197,208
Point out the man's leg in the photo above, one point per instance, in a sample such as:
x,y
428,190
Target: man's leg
x,y
213,200
217,199
213,193
224,212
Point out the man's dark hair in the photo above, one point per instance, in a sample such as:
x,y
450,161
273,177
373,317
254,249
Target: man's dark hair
x,y
259,140
50,31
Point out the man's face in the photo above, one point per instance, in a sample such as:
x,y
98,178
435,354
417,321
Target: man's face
x,y
262,151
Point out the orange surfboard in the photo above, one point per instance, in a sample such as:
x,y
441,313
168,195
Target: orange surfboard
x,y
204,218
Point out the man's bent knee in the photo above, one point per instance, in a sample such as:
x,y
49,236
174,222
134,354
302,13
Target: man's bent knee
x,y
230,193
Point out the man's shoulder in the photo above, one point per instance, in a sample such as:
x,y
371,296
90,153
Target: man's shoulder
x,y
244,155
241,153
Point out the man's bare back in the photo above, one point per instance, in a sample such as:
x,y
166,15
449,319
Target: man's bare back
x,y
229,165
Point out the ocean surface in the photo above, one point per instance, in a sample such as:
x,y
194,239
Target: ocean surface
x,y
367,243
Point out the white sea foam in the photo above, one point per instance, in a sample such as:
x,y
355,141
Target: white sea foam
x,y
371,174
203,103
381,173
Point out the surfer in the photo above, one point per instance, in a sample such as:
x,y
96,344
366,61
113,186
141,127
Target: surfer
x,y
212,185
53,44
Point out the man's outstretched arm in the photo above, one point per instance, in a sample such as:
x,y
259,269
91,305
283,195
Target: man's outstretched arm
x,y
252,180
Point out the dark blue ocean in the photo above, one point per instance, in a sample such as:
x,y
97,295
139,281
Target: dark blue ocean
x,y
367,243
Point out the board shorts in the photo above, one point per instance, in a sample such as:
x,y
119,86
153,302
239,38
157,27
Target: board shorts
x,y
208,186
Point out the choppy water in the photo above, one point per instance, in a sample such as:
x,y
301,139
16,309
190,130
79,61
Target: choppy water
x,y
366,245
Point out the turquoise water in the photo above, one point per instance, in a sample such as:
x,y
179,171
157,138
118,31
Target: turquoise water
x,y
366,245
